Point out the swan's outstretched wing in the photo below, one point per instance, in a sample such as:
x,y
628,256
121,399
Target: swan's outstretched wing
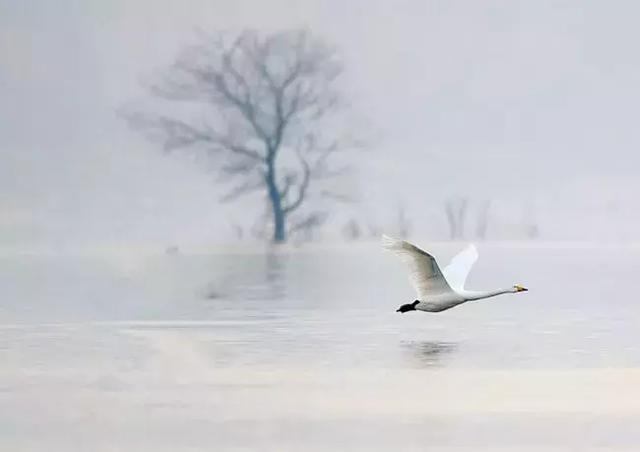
x,y
425,276
457,271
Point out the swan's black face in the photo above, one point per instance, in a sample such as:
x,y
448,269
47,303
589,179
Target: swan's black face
x,y
408,307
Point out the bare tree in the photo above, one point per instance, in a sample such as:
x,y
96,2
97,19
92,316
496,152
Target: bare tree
x,y
304,228
262,103
403,224
238,231
482,220
352,230
530,224
456,210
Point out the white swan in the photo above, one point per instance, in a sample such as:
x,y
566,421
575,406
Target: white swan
x,y
439,290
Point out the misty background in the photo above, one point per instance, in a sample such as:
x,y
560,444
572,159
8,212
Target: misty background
x,y
529,105
140,312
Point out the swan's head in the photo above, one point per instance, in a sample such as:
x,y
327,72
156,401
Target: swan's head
x,y
408,307
519,288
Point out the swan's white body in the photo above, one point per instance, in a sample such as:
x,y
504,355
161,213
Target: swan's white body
x,y
440,290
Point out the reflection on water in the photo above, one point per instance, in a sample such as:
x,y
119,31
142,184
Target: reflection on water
x,y
429,353
276,266
262,277
341,307
243,350
338,308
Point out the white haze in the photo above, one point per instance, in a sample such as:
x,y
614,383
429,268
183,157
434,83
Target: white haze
x,y
530,104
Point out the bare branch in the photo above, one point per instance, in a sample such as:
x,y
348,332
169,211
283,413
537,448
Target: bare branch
x,y
302,188
320,166
289,181
179,134
244,106
310,221
243,189
235,148
341,197
240,167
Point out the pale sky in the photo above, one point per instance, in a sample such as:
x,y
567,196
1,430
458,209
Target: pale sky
x,y
530,104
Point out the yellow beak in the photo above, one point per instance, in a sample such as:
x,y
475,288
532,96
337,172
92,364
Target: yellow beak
x,y
519,288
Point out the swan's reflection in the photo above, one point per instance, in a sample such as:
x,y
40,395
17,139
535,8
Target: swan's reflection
x,y
428,353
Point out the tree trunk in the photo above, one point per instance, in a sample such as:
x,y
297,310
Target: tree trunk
x,y
279,215
279,231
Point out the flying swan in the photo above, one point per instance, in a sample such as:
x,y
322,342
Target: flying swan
x,y
439,290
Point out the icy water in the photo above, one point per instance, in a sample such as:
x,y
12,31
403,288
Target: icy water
x,y
303,350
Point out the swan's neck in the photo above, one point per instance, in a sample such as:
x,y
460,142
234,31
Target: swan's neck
x,y
479,295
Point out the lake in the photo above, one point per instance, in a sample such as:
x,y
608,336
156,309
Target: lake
x,y
302,350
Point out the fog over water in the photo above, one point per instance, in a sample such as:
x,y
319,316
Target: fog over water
x,y
303,350
138,312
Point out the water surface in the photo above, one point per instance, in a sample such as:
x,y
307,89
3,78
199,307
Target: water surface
x,y
192,351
